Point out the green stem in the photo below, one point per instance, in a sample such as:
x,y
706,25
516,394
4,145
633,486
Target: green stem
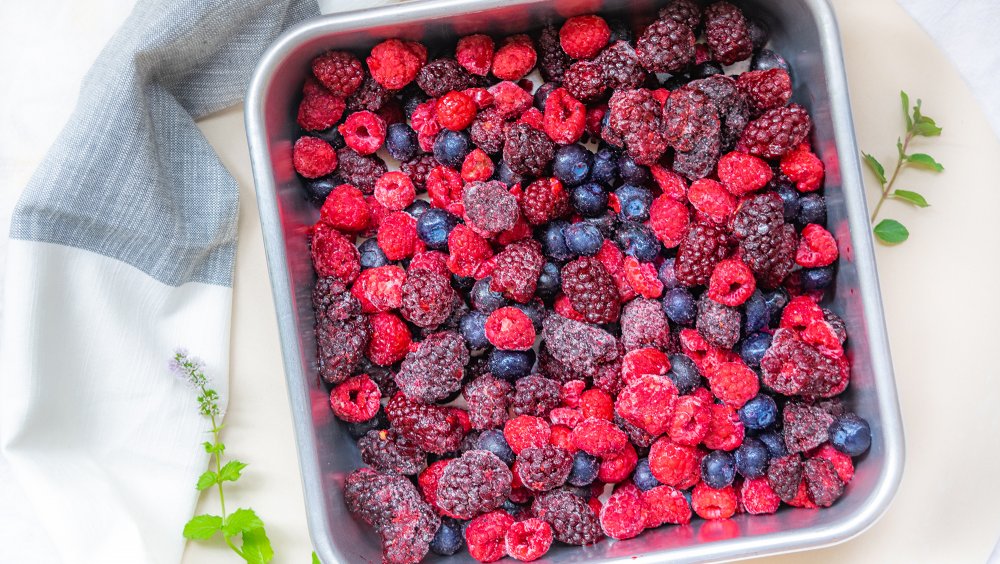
x,y
216,430
887,187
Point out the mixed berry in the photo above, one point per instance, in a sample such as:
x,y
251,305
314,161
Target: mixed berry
x,y
578,309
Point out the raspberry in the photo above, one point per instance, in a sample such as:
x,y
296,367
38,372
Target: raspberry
x,y
581,347
544,468
475,53
620,66
313,157
591,290
801,498
508,328
319,109
665,504
642,361
669,220
387,451
467,249
725,432
710,503
527,150
395,191
535,395
584,80
544,200
806,427
842,463
800,313
370,96
711,200
489,206
393,506
435,369
526,431
583,37
741,173
766,89
486,536
356,399
691,420
732,283
643,324
435,429
567,417
623,515
618,467
477,166
565,117
475,483
734,383
675,465
487,398
572,392
784,475
397,236
728,33
340,345
793,367
528,540
363,131
487,131
573,521
803,168
596,403
552,60
687,12
509,99
390,339
515,58
333,255
380,288
455,111
427,298
775,133
667,45
634,117
648,403
345,209
816,248
517,269
599,437
394,63
359,170
822,482
339,71
428,481
758,498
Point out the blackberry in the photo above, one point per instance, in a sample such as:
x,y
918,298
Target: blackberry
x,y
644,324
635,118
759,214
341,345
591,290
475,483
728,33
703,246
776,132
667,45
793,367
441,76
717,323
381,375
543,201
771,255
733,107
487,398
806,426
581,347
417,169
339,71
331,298
536,395
360,171
428,298
584,80
370,96
435,370
784,475
766,89
552,60
527,150
573,521
687,12
387,451
555,369
516,270
620,66
639,437
608,377
434,428
544,468
688,116
487,131
822,482
489,206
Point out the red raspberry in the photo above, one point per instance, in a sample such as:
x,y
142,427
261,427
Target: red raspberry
x,y
711,200
597,403
599,437
766,89
648,403
477,166
394,190
526,431
544,200
803,168
728,33
842,463
515,58
312,157
528,540
691,419
520,232
623,515
339,71
584,80
671,184
823,483
428,482
618,467
758,498
565,117
567,417
732,283
376,213
486,534
710,503
435,261
355,399
380,288
802,498
428,298
455,111
741,173
444,186
423,119
800,312
509,99
345,209
333,254
725,432
793,367
319,109
517,269
675,465
397,236
572,393
475,53
639,362
395,63
390,339
642,277
534,118
665,504
734,383
562,437
669,220
817,247
614,261
509,328
364,132
583,37
467,250
481,96
775,133
824,337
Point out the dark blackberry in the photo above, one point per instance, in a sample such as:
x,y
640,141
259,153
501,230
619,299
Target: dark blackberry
x,y
573,521
487,131
527,150
441,76
785,475
536,395
516,270
717,323
475,483
489,206
331,298
591,290
428,298
687,12
728,33
584,80
387,451
822,481
703,246
733,106
759,214
581,347
644,324
341,345
434,428
776,132
552,368
435,370
339,71
370,96
667,45
544,468
552,60
806,426
417,169
793,367
359,430
487,398
635,118
688,117
770,255
360,171
620,66
766,89
608,377
396,510
639,437
706,69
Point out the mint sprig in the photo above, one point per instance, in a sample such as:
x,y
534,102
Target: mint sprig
x,y
242,524
890,231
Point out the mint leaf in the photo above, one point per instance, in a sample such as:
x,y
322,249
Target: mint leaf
x,y
906,109
926,127
924,160
911,197
207,480
242,520
891,232
202,527
316,559
256,547
213,448
875,167
231,471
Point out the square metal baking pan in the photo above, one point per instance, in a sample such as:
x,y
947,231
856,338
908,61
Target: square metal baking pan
x,y
805,33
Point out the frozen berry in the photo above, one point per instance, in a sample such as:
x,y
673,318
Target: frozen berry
x,y
528,540
394,63
752,458
313,157
509,328
850,434
486,534
473,484
711,503
718,469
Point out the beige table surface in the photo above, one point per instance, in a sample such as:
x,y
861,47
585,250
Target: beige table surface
x,y
940,295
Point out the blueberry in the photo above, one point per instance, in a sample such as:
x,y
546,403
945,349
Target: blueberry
x,y
774,442
607,222
584,470
511,365
635,202
554,242
589,200
684,373
462,283
642,476
850,434
483,298
676,81
317,190
516,510
417,208
759,413
790,197
632,173
767,59
401,141
572,164
542,94
358,430
680,306
776,301
812,209
504,174
759,33
706,69
549,281
583,239
449,538
638,240
751,458
371,254
605,120
331,136
718,469
604,171
620,30
472,327
754,347
413,96
434,226
667,274
817,278
450,147
758,313
493,440
534,310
